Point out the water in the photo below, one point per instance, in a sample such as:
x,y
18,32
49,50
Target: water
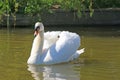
x,y
99,62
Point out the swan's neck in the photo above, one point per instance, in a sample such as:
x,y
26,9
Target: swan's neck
x,y
37,46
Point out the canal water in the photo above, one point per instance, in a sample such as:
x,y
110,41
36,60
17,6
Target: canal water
x,y
100,61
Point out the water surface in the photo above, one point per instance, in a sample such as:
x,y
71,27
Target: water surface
x,y
99,62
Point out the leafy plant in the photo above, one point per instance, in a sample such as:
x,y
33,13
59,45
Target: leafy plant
x,y
106,4
37,7
7,8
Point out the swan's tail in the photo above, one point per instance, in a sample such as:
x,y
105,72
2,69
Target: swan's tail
x,y
77,54
80,51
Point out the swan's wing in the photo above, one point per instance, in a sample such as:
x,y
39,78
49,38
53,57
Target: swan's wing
x,y
50,38
63,49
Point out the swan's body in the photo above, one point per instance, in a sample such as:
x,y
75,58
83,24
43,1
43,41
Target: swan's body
x,y
54,47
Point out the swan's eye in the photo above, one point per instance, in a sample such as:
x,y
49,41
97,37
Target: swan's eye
x,y
37,28
58,36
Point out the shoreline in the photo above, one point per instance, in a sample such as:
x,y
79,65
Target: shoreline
x,y
101,17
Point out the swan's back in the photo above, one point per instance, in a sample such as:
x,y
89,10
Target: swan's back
x,y
50,38
63,49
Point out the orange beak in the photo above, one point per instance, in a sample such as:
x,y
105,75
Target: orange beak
x,y
35,33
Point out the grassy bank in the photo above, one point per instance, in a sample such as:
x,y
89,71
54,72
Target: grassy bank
x,y
59,12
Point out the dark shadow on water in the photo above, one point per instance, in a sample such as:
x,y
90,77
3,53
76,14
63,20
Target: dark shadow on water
x,y
88,31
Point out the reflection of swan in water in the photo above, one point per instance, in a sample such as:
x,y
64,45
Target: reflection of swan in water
x,y
54,72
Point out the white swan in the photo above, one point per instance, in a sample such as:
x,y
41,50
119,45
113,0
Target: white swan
x,y
53,47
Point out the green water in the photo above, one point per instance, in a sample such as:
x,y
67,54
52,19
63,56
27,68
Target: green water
x,y
101,60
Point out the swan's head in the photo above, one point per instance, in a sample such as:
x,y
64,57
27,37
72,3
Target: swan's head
x,y
38,27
